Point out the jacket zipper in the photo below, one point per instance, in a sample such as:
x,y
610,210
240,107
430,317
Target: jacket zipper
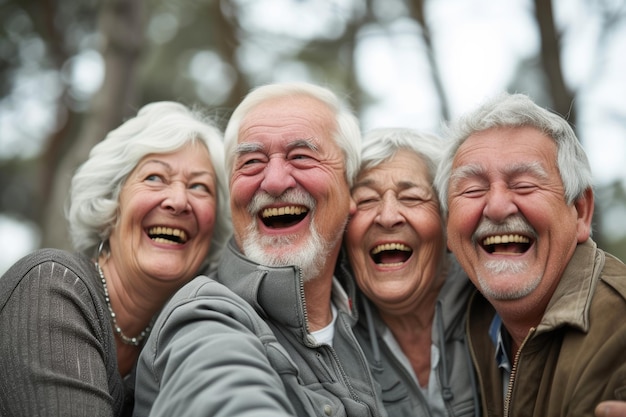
x,y
509,391
303,299
342,372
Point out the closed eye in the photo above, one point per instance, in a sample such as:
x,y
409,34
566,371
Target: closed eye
x,y
524,188
412,200
474,192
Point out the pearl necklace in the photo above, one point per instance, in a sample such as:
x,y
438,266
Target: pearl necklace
x,y
134,341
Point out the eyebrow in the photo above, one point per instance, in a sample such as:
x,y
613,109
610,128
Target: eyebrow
x,y
402,185
466,171
169,168
248,147
303,143
477,170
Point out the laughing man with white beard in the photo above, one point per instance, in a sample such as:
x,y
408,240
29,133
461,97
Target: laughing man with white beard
x,y
270,333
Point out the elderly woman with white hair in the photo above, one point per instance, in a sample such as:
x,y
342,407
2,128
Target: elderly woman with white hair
x,y
147,211
411,325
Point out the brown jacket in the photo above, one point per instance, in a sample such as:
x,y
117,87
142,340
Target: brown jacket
x,y
575,358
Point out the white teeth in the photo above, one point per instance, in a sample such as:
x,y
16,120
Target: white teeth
x,y
161,240
292,210
390,246
495,240
391,265
167,231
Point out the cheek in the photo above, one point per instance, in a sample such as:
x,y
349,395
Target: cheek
x,y
452,235
130,212
428,225
461,216
242,190
356,229
207,217
332,215
359,262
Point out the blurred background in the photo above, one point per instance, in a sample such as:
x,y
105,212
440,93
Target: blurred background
x,y
70,71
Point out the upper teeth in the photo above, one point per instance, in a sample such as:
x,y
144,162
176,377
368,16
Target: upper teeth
x,y
269,212
494,240
390,246
160,230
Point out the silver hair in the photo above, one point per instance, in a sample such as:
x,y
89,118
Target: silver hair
x,y
347,134
380,145
518,110
160,127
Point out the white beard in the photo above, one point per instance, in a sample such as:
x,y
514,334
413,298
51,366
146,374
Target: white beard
x,y
310,256
511,268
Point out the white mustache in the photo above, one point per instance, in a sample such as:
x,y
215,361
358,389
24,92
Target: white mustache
x,y
513,224
261,199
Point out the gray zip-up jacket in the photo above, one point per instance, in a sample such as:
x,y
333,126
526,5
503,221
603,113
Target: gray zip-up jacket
x,y
245,350
455,375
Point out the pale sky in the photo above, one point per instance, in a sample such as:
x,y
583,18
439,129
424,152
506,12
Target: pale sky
x,y
477,42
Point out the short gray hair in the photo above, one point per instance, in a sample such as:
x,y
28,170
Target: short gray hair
x,y
518,110
160,127
380,145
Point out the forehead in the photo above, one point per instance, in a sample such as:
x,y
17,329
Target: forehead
x,y
507,146
404,167
288,118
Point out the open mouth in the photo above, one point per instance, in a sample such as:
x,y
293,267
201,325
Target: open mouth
x,y
279,217
163,234
391,254
511,244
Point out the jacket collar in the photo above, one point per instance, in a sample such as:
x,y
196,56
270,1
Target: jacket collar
x,y
571,300
278,292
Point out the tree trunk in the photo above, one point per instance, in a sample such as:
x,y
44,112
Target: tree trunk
x,y
562,96
121,28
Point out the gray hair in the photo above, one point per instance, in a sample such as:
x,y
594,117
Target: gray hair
x,y
518,110
380,145
347,134
160,127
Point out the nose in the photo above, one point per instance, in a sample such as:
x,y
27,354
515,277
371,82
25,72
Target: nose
x,y
176,199
500,203
389,211
277,176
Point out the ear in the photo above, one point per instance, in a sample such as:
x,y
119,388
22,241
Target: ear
x,y
584,209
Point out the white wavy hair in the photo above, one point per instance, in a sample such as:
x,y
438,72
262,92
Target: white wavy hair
x,y
160,127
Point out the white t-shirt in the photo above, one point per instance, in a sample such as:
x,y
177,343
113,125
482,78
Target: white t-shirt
x,y
326,334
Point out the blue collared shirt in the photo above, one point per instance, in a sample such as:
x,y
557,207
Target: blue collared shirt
x,y
497,333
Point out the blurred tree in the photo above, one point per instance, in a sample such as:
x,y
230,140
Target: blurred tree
x,y
121,31
209,53
550,57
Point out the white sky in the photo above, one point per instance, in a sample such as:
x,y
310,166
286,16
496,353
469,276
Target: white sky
x,y
478,43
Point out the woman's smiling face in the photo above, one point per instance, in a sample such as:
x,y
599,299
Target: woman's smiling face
x,y
166,215
395,239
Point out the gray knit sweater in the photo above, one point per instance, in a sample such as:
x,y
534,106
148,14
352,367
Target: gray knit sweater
x,y
57,350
